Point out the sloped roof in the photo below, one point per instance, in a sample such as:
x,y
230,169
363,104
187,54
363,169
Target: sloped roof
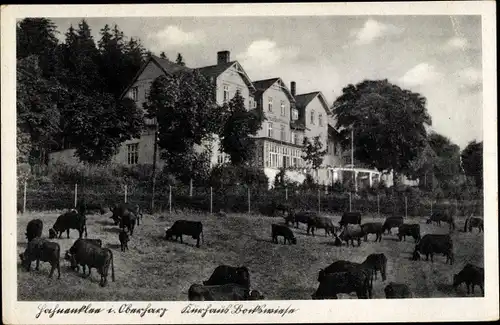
x,y
302,100
218,69
263,85
167,67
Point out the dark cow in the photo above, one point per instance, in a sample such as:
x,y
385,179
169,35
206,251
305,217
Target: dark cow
x,y
474,222
354,280
352,232
391,222
96,242
185,227
301,216
337,266
85,253
280,230
124,239
409,230
224,292
69,220
320,222
372,228
225,274
353,218
472,275
39,249
376,262
284,209
397,290
34,229
126,209
129,220
432,244
445,216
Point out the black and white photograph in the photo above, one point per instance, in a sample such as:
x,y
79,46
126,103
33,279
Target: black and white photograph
x,y
247,159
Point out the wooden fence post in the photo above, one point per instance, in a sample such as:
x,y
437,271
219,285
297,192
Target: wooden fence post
x,y
211,200
125,193
350,201
319,200
378,205
431,207
24,198
456,207
248,199
191,187
170,199
406,207
76,194
286,193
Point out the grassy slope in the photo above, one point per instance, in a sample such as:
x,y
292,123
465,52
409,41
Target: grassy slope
x,y
155,269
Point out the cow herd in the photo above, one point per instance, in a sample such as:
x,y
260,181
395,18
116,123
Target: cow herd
x,y
233,282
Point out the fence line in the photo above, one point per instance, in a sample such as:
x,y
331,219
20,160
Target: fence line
x,y
232,198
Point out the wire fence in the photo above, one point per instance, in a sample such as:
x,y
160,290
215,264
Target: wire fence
x,y
236,198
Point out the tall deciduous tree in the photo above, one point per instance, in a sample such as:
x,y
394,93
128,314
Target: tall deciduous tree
x,y
389,123
472,162
239,125
187,114
313,153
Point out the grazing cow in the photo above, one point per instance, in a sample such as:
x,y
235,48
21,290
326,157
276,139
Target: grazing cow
x,y
129,220
474,222
39,249
376,262
69,220
124,239
280,230
185,227
337,266
353,218
445,216
124,209
95,242
34,229
372,228
301,216
225,274
431,244
321,222
223,292
397,290
85,253
472,275
391,222
409,230
351,232
354,280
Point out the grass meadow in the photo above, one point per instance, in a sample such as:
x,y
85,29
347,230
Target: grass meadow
x,y
155,269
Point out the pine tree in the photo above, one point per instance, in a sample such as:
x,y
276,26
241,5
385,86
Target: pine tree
x,y
180,60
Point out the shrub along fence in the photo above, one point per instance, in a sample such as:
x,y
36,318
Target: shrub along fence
x,y
236,198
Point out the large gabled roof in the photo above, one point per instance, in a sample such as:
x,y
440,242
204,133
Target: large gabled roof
x,y
263,85
216,70
302,100
166,66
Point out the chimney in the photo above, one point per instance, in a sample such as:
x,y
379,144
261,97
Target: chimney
x,y
292,88
222,57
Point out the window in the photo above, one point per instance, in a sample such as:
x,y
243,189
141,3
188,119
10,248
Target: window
x,y
135,93
270,129
293,137
222,158
320,119
312,117
270,104
132,153
283,134
250,103
239,90
295,114
226,93
283,110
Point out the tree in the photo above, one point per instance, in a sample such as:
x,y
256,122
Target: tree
x,y
187,114
472,162
37,112
313,155
38,36
446,167
163,55
388,123
238,127
180,60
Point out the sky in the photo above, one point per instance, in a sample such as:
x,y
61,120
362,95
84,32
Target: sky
x,y
438,56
